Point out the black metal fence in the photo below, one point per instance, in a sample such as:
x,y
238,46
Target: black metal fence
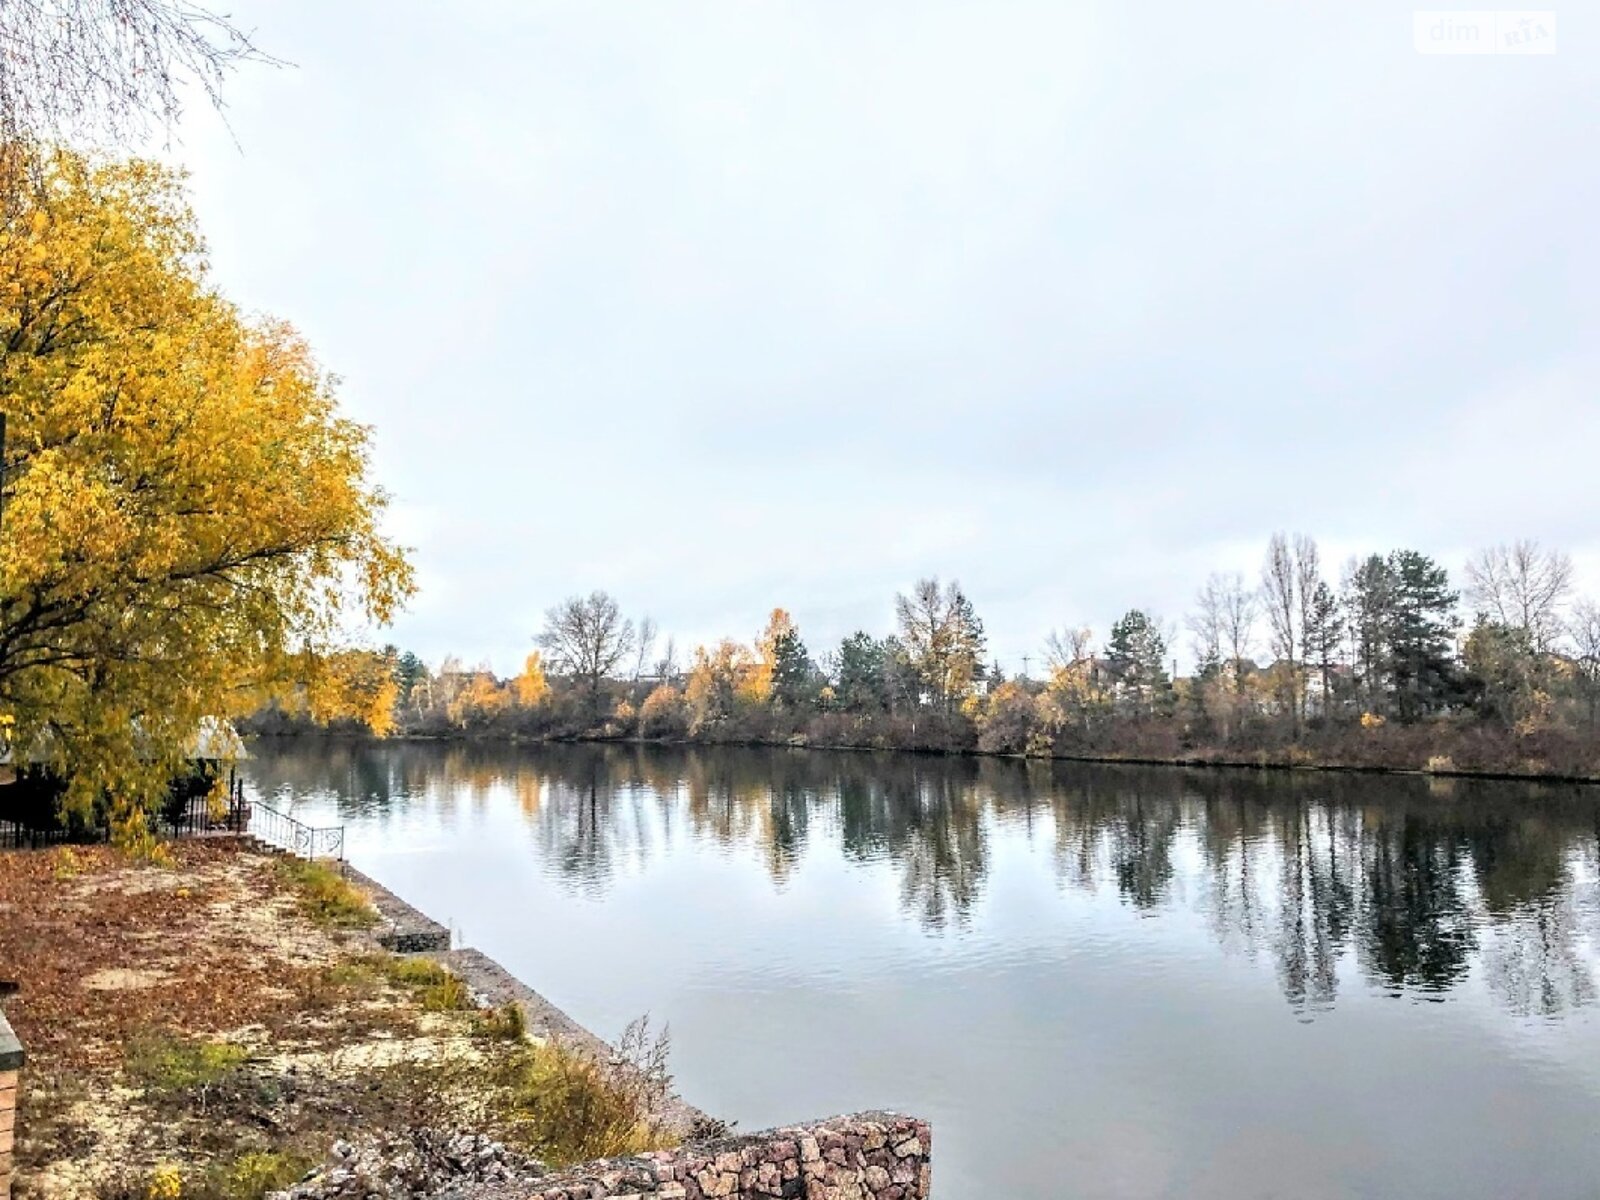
x,y
187,813
199,816
283,831
14,835
191,810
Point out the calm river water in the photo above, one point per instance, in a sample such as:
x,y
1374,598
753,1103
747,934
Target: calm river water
x,y
1095,981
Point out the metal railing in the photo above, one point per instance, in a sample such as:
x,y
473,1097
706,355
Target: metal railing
x,y
14,835
189,817
196,818
283,831
183,814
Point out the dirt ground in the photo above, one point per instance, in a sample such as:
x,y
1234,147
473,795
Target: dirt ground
x,y
209,1021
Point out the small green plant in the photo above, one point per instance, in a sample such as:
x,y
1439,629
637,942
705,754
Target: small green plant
x,y
251,1176
448,995
339,983
413,972
326,896
164,1183
353,973
67,863
440,991
506,1023
161,1062
569,1106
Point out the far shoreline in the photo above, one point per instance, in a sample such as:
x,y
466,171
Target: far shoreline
x,y
1263,763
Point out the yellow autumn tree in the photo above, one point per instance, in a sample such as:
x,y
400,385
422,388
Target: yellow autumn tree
x,y
480,700
531,687
1077,694
1008,720
718,678
187,520
756,686
664,713
353,683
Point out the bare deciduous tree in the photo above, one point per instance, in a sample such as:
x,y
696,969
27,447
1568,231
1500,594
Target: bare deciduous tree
x,y
1205,623
1307,575
1224,623
1277,596
1584,629
1289,578
1238,624
586,637
647,641
108,68
943,637
1068,647
1522,586
667,665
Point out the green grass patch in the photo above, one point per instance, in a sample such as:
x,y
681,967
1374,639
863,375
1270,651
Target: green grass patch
x,y
324,988
568,1106
354,973
448,995
325,895
506,1023
251,1176
161,1062
413,972
438,990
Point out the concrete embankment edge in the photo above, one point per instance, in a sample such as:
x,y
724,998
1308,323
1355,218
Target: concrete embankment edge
x,y
404,929
863,1156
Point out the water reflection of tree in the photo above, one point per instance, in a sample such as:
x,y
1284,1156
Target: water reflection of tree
x,y
751,799
1530,885
1118,834
936,836
1417,930
923,817
1141,839
1413,884
578,829
1316,897
1534,962
1232,832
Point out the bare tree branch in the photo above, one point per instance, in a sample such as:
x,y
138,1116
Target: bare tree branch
x,y
1522,586
586,637
109,69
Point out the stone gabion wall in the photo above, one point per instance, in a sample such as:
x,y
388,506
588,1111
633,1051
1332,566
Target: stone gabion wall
x,y
868,1156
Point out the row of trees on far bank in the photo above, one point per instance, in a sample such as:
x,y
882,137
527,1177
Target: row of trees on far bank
x,y
1388,661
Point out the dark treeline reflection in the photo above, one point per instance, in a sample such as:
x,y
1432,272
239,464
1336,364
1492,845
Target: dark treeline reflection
x,y
1414,881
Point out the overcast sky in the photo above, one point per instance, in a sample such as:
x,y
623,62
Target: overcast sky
x,y
721,306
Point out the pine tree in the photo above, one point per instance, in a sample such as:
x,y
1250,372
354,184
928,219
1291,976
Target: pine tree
x,y
1324,632
791,670
1137,653
861,682
409,671
1369,614
1421,633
